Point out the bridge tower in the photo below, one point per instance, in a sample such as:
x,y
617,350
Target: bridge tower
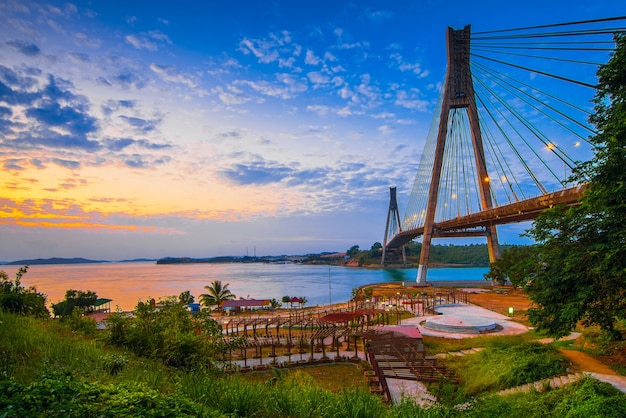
x,y
393,225
458,94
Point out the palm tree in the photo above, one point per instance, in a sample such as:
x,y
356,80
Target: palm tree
x,y
216,294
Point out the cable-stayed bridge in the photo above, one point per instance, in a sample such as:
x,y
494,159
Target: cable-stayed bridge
x,y
511,123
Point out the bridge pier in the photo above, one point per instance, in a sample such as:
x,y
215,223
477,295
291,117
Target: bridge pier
x,y
421,275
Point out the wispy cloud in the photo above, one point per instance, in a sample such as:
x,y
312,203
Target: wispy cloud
x,y
26,48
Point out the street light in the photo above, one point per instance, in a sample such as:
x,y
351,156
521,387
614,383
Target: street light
x,y
560,153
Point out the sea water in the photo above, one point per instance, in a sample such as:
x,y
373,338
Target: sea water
x,y
128,283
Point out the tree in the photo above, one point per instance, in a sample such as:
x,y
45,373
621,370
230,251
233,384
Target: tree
x,y
186,298
14,298
216,294
583,249
74,298
353,251
518,264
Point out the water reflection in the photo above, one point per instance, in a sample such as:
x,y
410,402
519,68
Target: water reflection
x,y
128,283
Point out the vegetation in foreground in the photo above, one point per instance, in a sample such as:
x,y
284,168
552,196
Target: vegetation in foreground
x,y
48,370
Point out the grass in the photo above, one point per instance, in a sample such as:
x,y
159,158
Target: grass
x,y
333,377
504,365
436,345
47,370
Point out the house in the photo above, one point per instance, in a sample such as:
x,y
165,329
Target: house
x,y
245,305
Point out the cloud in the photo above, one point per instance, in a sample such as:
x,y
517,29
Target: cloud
x,y
148,40
110,106
140,124
144,161
126,79
319,109
84,40
79,57
66,163
379,16
277,48
385,129
410,100
25,48
311,58
262,50
118,144
171,74
231,96
73,119
403,66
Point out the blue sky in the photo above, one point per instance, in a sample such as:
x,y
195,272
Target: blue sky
x,y
151,129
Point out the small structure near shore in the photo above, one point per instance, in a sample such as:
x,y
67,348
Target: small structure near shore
x,y
245,305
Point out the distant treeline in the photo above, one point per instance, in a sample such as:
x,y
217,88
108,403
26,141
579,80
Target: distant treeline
x,y
466,255
474,254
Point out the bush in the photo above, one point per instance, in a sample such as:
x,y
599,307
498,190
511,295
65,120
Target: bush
x,y
14,298
63,395
113,363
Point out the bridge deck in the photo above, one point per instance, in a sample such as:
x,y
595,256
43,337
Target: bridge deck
x,y
524,210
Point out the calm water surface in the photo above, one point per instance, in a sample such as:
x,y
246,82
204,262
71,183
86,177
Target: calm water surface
x,y
128,283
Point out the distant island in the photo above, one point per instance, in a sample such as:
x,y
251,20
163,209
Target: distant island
x,y
440,255
60,260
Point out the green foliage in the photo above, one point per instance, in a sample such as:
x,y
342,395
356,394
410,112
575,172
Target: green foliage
x,y
353,251
585,398
28,345
63,395
113,363
169,333
75,299
503,365
16,299
583,248
77,321
75,377
186,298
217,293
518,264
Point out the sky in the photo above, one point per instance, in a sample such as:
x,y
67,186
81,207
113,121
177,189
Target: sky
x,y
151,129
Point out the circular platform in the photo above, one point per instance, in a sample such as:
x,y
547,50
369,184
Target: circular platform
x,y
461,325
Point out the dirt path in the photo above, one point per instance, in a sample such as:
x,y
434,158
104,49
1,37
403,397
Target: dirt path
x,y
583,362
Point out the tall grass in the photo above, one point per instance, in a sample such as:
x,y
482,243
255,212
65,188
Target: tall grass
x,y
28,345
585,398
503,365
42,360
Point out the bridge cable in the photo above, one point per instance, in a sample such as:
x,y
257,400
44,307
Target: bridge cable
x,y
537,71
532,128
538,57
522,137
498,81
580,22
607,31
504,75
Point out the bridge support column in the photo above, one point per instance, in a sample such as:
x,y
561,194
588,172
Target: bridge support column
x,y
422,271
458,94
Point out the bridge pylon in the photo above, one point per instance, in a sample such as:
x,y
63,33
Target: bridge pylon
x,y
458,94
392,227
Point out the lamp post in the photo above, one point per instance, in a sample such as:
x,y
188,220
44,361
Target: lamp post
x,y
560,153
